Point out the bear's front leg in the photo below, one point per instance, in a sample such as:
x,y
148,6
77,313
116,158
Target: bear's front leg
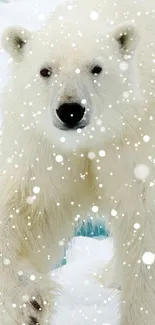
x,y
135,247
26,296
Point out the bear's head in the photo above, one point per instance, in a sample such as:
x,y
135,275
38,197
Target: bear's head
x,y
74,83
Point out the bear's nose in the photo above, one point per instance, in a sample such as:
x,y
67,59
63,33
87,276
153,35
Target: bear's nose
x,y
70,114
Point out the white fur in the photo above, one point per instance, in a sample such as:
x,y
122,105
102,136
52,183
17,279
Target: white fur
x,y
70,188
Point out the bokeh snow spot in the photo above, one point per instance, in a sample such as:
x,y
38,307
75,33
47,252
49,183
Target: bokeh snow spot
x,y
141,171
102,153
70,7
91,155
136,226
77,71
61,243
6,261
113,212
95,208
124,66
146,138
32,277
94,15
9,160
148,258
25,298
125,94
83,101
59,158
62,139
99,122
30,199
36,189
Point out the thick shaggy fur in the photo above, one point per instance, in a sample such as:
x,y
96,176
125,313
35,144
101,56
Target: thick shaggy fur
x,y
121,112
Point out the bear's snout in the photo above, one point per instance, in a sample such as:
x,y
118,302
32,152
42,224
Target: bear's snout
x,y
71,114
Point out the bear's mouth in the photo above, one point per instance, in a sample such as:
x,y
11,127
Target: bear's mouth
x,y
64,127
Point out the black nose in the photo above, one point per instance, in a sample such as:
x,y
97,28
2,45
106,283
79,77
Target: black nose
x,y
70,114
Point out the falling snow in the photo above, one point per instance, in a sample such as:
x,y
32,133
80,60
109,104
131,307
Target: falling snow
x,y
30,200
95,208
141,171
124,66
82,294
102,153
94,15
91,155
113,212
136,226
25,298
6,261
83,101
148,258
126,94
77,71
146,138
36,189
62,139
32,277
59,158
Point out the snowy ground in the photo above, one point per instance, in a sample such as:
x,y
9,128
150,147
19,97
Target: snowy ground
x,y
83,299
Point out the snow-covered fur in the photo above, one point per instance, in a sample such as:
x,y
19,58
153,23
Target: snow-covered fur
x,y
50,177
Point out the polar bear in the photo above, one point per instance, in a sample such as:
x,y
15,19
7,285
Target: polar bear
x,y
78,133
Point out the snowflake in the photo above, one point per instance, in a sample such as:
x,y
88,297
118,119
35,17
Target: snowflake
x,y
102,129
61,243
148,258
25,298
141,171
30,199
91,155
125,94
95,208
136,226
102,153
124,66
99,122
36,189
62,139
59,158
113,213
32,277
146,138
94,15
14,305
9,160
6,261
77,71
70,7
83,101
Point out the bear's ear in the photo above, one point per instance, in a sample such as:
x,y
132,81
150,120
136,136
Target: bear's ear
x,y
14,40
127,37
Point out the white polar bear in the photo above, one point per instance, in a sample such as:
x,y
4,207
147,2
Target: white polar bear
x,y
78,133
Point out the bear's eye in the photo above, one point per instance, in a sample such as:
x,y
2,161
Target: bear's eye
x,y
96,70
45,72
